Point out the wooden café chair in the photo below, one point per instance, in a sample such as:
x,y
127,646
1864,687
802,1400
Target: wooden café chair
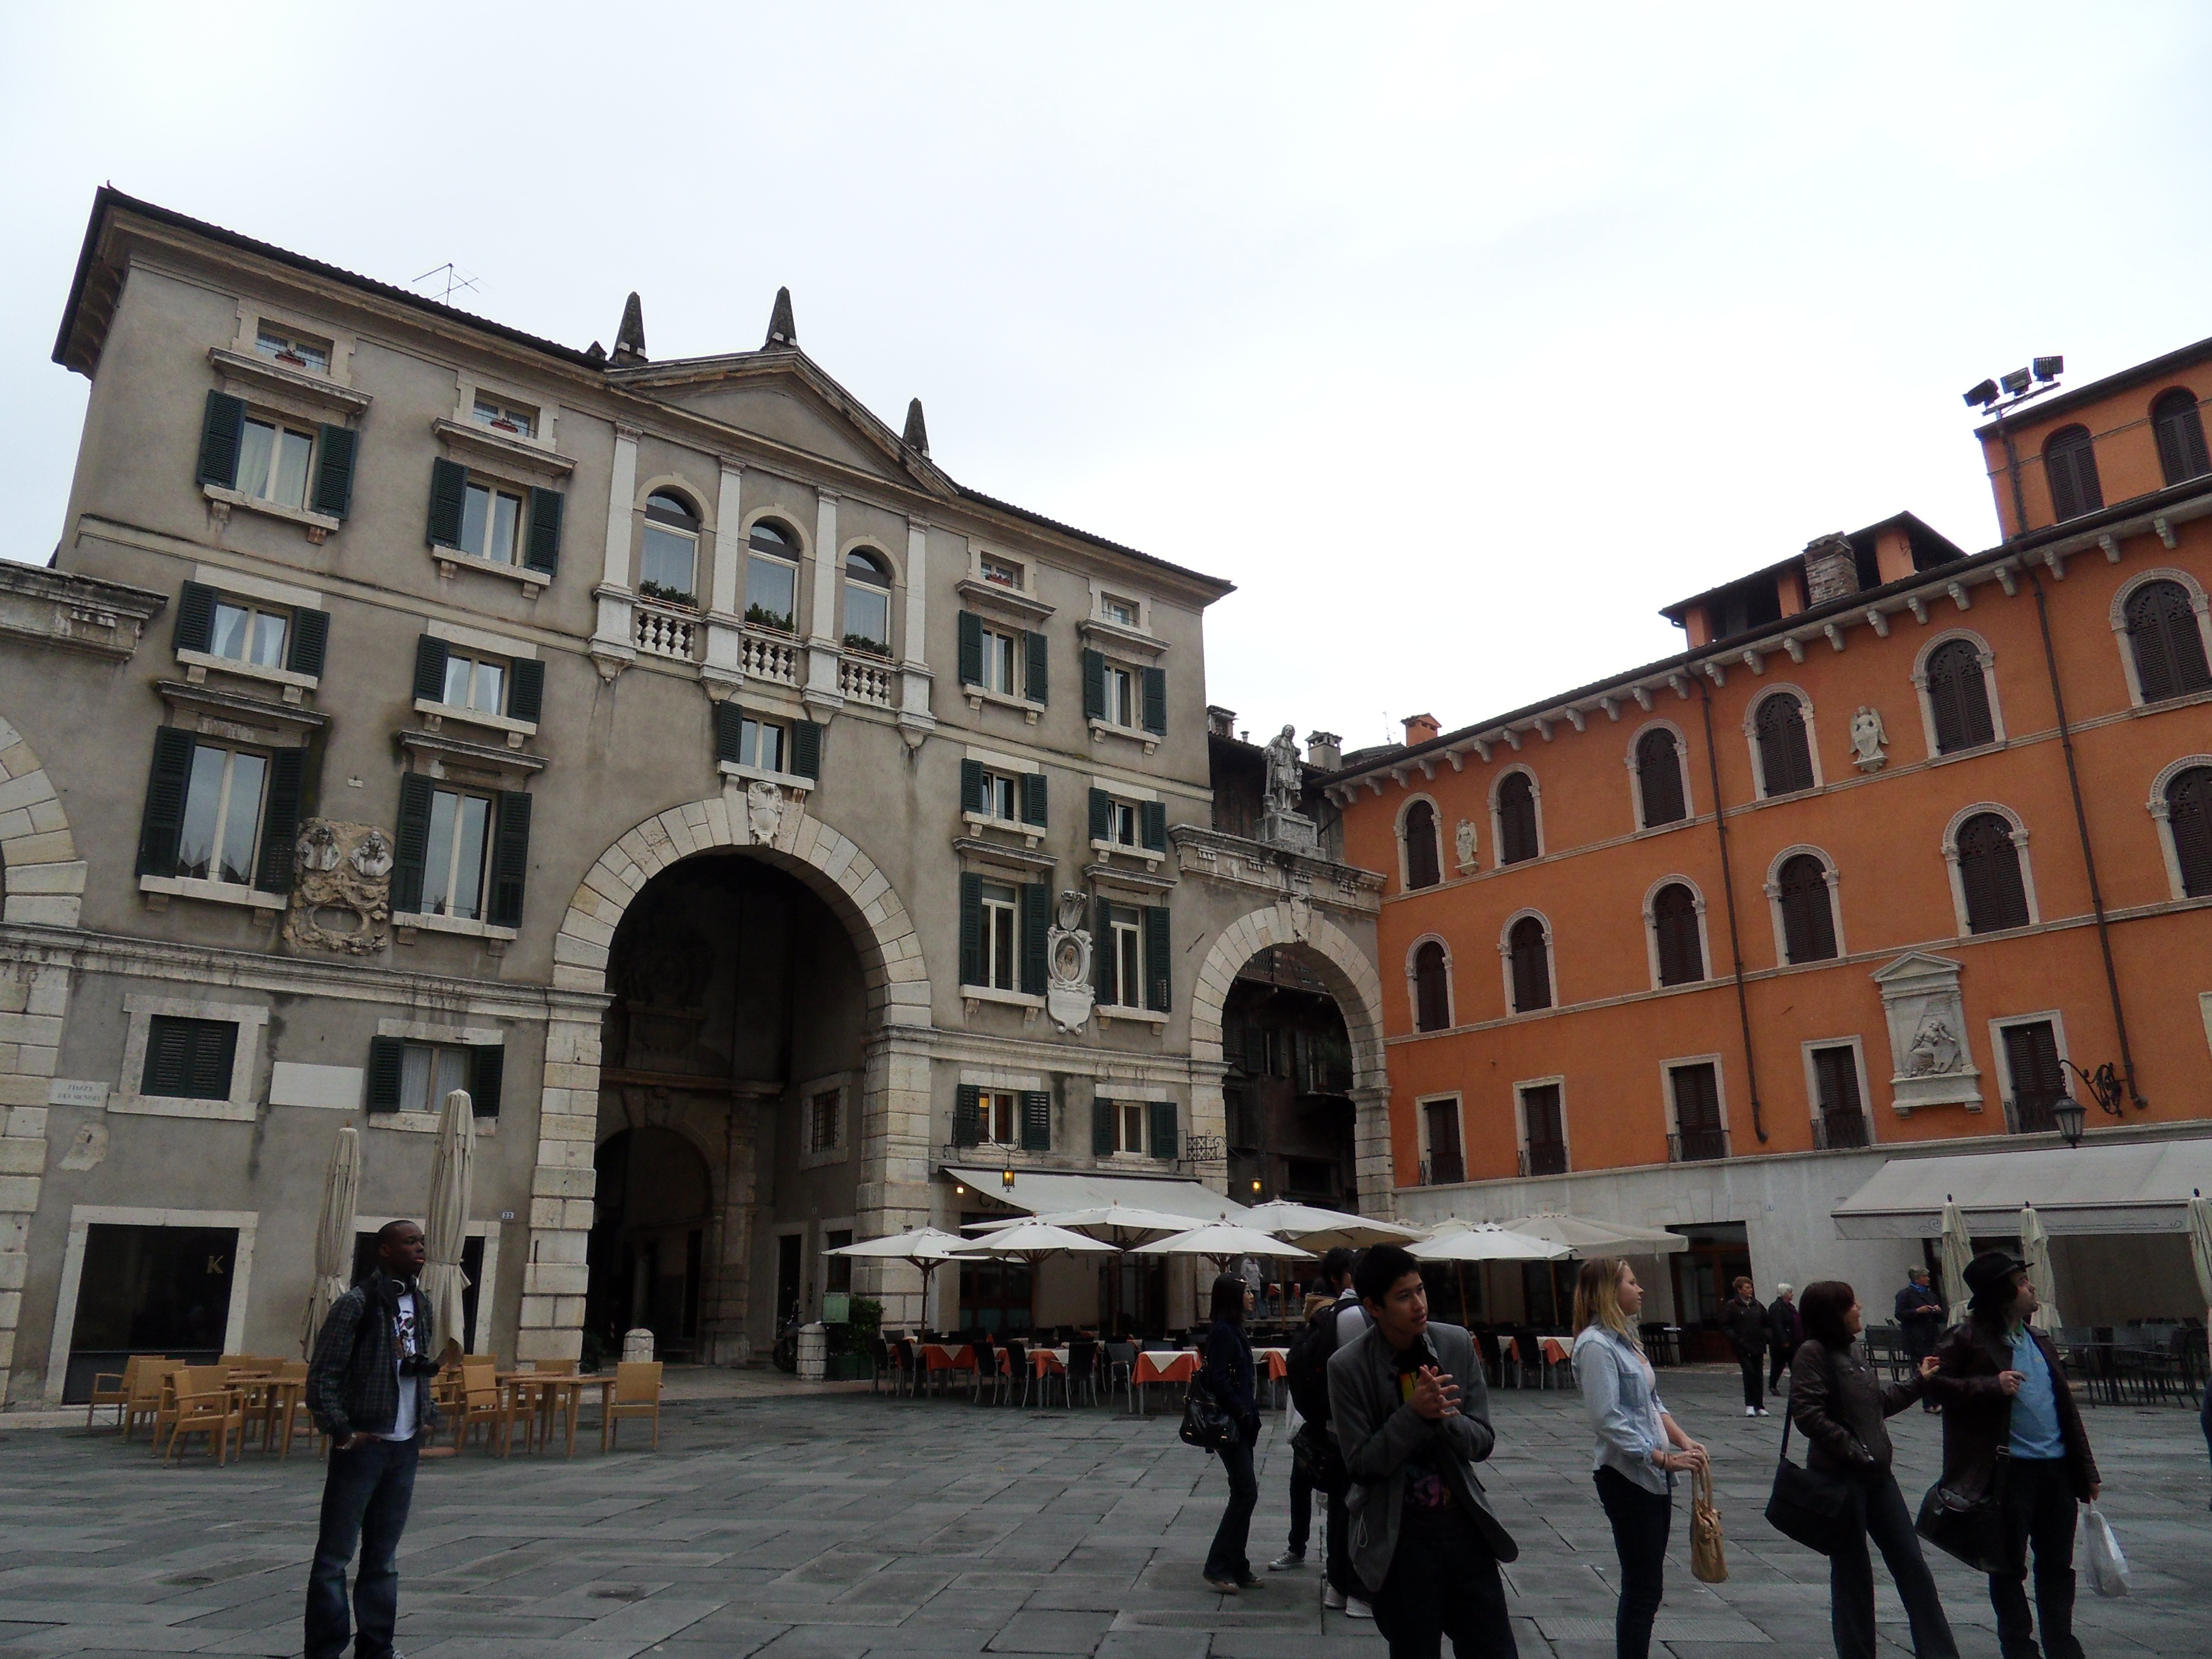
x,y
552,1402
114,1388
636,1394
484,1404
146,1388
207,1404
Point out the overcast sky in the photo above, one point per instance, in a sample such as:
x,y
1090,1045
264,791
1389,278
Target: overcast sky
x,y
1460,341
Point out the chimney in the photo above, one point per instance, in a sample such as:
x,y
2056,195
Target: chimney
x,y
1831,569
1222,723
1325,750
1421,728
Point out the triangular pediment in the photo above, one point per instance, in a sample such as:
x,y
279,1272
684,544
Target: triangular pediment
x,y
783,397
1917,964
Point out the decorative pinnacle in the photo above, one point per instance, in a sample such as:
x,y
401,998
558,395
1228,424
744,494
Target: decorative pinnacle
x,y
916,436
781,331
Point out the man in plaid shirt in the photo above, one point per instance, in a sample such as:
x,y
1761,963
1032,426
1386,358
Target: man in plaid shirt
x,y
368,1388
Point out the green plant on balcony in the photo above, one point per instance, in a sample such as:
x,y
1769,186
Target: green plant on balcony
x,y
868,645
666,595
761,616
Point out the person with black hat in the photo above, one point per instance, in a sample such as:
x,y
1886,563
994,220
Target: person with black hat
x,y
2006,1398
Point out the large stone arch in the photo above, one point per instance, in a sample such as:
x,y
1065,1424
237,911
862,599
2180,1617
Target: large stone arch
x,y
1357,988
893,1117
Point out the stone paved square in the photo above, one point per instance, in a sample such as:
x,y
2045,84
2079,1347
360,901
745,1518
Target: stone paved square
x,y
843,1525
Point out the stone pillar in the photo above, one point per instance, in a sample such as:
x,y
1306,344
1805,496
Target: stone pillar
x,y
728,1340
915,717
825,629
1209,1115
723,671
33,997
551,1326
1372,1165
613,649
892,1195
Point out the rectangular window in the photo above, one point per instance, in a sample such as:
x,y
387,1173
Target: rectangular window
x,y
1118,610
222,814
1122,823
1131,1126
1128,958
273,463
478,683
822,1124
999,1116
502,415
999,966
1003,572
2039,1081
189,1058
488,518
1000,796
1446,1168
248,633
1544,1130
1836,1080
454,870
760,742
771,587
664,564
293,350
1002,654
1120,695
428,1071
1697,1132
836,1270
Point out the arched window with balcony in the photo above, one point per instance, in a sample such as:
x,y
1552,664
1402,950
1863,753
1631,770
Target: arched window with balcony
x,y
2164,644
1518,837
1424,861
1992,886
2175,418
1660,793
1529,964
668,553
1432,986
1806,907
1959,698
772,552
1785,749
2070,463
1677,939
867,603
2188,798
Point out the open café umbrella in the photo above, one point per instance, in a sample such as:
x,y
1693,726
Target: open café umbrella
x,y
1031,1241
445,1222
1585,1238
1322,1228
925,1249
1487,1242
1957,1251
1224,1241
2200,1242
2035,1251
1119,1224
333,1236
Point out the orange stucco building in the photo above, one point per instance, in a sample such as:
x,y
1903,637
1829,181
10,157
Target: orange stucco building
x,y
1770,941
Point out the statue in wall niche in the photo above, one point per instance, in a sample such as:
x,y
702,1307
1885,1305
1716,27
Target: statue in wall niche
x,y
1464,837
1068,995
1936,1048
339,870
1869,740
1285,780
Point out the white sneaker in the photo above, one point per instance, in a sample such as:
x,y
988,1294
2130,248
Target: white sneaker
x,y
1761,1411
1750,1411
1333,1599
1356,1608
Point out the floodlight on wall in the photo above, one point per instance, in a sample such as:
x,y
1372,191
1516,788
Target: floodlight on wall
x,y
2050,368
1982,396
2016,382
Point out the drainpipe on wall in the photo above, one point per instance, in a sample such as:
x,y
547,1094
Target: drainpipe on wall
x,y
1728,890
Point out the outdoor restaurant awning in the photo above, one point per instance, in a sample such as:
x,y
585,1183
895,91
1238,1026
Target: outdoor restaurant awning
x,y
1041,1192
2142,1186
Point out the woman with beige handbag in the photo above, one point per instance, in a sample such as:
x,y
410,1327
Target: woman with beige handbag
x,y
1640,1449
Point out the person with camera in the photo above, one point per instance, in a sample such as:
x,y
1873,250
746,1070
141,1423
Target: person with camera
x,y
368,1390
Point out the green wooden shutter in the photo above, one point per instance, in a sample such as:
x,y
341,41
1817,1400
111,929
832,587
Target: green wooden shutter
x,y
449,487
164,816
1094,686
1102,953
1155,699
1165,1142
194,618
971,927
213,1056
1157,959
1036,923
542,551
1034,681
221,428
1101,809
487,1066
729,731
967,1115
806,748
410,847
510,859
1102,1127
971,648
334,455
387,1060
526,690
429,668
971,786
311,638
280,821
1033,799
1036,1121
1153,825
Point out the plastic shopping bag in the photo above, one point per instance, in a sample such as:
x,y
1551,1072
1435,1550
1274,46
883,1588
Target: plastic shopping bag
x,y
2097,1555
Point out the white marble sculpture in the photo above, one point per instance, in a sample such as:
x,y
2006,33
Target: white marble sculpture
x,y
1869,740
1464,838
1068,995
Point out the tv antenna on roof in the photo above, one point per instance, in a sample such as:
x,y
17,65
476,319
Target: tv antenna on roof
x,y
455,281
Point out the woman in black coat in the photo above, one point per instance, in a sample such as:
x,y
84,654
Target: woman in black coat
x,y
1229,1376
1841,1407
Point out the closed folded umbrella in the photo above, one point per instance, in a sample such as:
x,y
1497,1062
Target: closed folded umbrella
x,y
2035,1251
445,1222
333,1236
1957,1251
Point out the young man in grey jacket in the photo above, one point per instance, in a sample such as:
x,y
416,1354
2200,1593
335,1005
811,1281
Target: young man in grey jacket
x,y
1411,1416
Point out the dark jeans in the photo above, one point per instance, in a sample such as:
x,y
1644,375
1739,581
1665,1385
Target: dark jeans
x,y
1227,1560
2204,1420
1641,1520
1778,1362
1302,1491
1752,1394
1884,1518
1444,1582
365,1497
2039,1502
1337,1568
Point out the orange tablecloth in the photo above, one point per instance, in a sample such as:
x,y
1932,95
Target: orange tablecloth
x,y
1557,1351
1277,1360
949,1357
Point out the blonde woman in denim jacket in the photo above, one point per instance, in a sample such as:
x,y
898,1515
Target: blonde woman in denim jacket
x,y
1640,1449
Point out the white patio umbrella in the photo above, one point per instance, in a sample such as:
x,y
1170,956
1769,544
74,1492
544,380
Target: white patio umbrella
x,y
1487,1242
1032,1242
925,1249
1957,1251
1224,1241
1323,1229
445,1223
2035,1251
333,1265
2200,1244
1119,1224
1585,1238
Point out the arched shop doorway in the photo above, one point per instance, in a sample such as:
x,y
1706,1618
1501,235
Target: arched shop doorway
x,y
730,1089
1288,1098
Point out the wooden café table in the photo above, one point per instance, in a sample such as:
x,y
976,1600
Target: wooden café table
x,y
546,1391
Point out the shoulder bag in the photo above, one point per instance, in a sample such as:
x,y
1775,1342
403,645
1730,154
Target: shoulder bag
x,y
1972,1530
1207,1423
1809,1505
1708,1548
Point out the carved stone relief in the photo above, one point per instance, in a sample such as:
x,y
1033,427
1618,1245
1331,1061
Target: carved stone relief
x,y
1068,995
1463,837
340,870
1929,1061
1870,742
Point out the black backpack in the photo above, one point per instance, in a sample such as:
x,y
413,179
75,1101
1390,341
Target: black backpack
x,y
1307,1367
